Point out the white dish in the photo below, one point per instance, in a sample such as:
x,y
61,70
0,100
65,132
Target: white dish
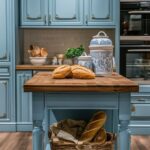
x,y
38,60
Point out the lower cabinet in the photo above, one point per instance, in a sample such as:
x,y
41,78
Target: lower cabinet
x,y
140,111
7,106
24,103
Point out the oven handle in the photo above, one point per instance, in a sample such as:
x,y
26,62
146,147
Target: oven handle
x,y
138,50
139,12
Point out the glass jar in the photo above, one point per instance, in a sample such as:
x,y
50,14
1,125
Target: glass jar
x,y
101,50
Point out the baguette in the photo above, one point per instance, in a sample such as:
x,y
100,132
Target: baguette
x,y
81,72
101,136
61,72
94,125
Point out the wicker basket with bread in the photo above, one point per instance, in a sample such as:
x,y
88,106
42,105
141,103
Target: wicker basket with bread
x,y
93,136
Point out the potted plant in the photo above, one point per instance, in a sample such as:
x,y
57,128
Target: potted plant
x,y
74,53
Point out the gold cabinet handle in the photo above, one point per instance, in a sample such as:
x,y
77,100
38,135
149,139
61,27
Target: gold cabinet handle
x,y
133,108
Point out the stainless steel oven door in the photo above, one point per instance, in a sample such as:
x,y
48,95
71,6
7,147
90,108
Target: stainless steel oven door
x,y
135,62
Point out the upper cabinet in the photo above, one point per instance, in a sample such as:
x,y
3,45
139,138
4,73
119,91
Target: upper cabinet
x,y
3,32
99,12
67,12
34,12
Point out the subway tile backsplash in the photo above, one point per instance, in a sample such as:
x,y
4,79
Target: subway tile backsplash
x,y
58,40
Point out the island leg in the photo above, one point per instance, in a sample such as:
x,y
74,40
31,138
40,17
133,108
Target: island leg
x,y
37,138
46,128
124,119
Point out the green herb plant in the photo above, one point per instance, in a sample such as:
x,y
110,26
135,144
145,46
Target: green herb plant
x,y
74,52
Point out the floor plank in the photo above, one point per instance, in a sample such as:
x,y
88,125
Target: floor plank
x,y
16,141
23,141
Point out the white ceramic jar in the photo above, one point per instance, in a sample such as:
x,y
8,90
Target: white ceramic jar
x,y
101,50
85,61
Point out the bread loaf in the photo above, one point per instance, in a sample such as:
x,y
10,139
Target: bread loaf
x,y
44,52
101,136
94,125
61,72
81,72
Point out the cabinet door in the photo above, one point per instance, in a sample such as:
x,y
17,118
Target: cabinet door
x,y
3,31
65,12
34,12
5,102
24,103
99,12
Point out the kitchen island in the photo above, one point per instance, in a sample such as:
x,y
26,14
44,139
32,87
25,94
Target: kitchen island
x,y
107,93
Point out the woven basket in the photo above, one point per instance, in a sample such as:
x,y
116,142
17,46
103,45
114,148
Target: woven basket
x,y
65,145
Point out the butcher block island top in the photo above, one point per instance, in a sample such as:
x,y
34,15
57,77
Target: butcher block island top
x,y
43,82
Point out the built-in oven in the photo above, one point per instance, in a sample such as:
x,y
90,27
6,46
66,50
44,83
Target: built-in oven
x,y
135,60
135,17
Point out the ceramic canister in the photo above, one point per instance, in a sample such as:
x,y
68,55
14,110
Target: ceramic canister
x,y
85,61
101,50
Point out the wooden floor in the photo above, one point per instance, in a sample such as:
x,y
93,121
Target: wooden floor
x,y
23,141
16,141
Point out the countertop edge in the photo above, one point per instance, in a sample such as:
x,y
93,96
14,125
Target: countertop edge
x,y
34,67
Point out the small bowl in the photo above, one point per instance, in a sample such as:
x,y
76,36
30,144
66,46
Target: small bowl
x,y
38,60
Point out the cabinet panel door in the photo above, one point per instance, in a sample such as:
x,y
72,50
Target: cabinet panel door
x,y
24,103
99,12
3,31
34,12
66,12
4,100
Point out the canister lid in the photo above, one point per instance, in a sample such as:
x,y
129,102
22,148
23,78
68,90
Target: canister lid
x,y
101,40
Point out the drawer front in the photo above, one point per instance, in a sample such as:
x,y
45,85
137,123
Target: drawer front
x,y
4,71
82,100
140,100
144,88
140,110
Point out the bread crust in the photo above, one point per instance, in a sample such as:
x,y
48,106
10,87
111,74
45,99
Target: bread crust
x,y
81,72
101,136
61,72
94,125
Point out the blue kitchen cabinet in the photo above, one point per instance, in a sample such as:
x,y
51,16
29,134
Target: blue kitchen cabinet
x,y
34,12
3,32
24,103
99,12
7,111
7,65
65,12
55,13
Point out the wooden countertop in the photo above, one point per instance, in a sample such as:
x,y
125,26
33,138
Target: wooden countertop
x,y
34,67
43,82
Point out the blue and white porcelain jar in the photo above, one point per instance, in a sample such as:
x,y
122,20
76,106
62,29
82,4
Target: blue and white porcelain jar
x,y
85,61
101,50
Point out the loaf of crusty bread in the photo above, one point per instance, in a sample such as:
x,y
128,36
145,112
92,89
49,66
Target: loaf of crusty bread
x,y
81,72
61,72
94,125
101,136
